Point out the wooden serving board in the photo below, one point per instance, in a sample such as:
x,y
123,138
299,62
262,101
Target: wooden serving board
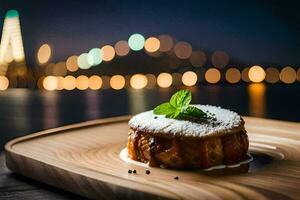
x,y
84,159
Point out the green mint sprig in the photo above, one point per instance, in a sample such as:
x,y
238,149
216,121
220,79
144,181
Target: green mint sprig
x,y
179,107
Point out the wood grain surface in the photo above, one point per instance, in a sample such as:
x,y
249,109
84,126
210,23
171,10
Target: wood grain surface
x,y
84,159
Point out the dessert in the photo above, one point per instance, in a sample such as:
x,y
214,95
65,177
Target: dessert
x,y
179,135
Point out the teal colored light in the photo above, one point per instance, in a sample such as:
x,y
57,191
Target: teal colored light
x,y
85,61
96,54
12,14
136,42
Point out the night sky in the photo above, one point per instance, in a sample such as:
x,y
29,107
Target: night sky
x,y
258,32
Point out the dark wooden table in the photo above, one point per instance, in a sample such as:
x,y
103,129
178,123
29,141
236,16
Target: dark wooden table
x,y
26,111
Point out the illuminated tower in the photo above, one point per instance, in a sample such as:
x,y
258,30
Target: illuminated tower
x,y
11,47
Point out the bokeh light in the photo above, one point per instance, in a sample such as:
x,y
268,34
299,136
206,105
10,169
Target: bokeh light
x,y
198,58
117,82
8,55
272,75
69,82
152,44
44,54
233,75
96,55
72,64
136,42
288,75
151,81
245,76
50,83
60,83
189,78
212,75
256,74
59,69
122,48
95,82
164,80
177,79
108,53
4,83
166,43
82,82
220,59
85,61
138,81
183,50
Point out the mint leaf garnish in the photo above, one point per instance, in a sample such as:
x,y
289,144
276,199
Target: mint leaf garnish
x,y
194,112
179,107
181,99
164,109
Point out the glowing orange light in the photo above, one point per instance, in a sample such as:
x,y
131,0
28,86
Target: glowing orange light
x,y
166,43
44,54
50,83
117,82
233,75
69,83
219,59
60,83
183,50
212,75
272,75
152,44
108,53
82,82
288,75
256,74
138,81
4,83
164,80
72,64
189,78
257,99
122,48
95,82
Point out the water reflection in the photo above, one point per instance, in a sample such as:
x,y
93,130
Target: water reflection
x,y
20,112
92,104
51,109
257,99
137,101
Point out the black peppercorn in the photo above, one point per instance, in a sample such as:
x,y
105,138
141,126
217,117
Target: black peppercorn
x,y
147,172
155,117
176,178
129,171
134,171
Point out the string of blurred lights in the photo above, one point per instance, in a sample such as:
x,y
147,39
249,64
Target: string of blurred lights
x,y
165,44
57,77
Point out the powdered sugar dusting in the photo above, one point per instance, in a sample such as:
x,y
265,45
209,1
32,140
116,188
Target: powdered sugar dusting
x,y
226,122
